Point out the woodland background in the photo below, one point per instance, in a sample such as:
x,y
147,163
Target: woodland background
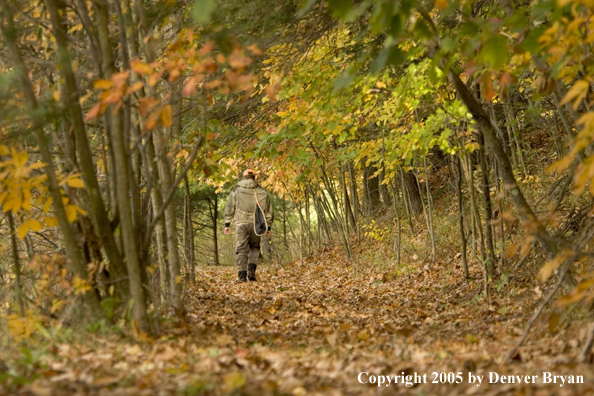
x,y
429,163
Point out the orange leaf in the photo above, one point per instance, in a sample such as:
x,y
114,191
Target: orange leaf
x,y
146,104
140,67
93,113
189,87
134,87
102,84
166,116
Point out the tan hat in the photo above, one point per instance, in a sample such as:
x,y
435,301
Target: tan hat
x,y
249,172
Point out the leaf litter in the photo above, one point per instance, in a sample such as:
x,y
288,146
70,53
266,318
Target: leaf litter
x,y
312,326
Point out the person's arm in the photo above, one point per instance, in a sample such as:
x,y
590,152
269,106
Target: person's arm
x,y
229,212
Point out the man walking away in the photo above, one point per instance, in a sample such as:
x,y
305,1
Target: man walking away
x,y
240,209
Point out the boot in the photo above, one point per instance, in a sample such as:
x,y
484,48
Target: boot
x,y
251,272
241,276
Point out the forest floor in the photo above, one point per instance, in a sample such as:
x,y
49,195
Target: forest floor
x,y
312,326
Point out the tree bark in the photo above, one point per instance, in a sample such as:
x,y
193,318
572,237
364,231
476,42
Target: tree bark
x,y
17,265
490,254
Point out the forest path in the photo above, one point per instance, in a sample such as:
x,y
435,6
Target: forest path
x,y
310,328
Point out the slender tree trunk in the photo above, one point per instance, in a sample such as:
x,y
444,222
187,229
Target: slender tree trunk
x,y
354,194
490,256
413,192
407,204
384,191
188,231
461,213
429,208
513,124
215,237
17,265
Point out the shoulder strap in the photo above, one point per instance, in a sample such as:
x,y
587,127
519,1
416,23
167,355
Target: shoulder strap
x,y
256,198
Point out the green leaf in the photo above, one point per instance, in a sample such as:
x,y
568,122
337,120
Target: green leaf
x,y
202,9
422,30
516,22
304,6
396,56
340,8
378,63
344,80
531,43
356,12
495,51
396,25
381,17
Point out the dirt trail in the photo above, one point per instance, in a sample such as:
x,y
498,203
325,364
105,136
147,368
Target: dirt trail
x,y
312,327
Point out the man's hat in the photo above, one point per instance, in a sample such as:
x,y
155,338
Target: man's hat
x,y
249,172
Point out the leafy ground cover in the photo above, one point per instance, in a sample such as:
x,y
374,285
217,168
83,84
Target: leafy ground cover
x,y
311,327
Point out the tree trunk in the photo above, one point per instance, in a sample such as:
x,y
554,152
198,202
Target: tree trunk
x,y
384,191
17,265
371,190
458,165
412,190
429,208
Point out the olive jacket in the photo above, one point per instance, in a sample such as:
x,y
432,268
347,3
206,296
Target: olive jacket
x,y
241,204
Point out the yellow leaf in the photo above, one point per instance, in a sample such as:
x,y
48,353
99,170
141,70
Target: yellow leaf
x,y
81,286
56,96
34,225
57,305
178,279
546,271
22,230
27,199
13,202
443,4
102,84
166,116
71,213
75,183
51,221
84,98
47,205
19,158
4,150
578,91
